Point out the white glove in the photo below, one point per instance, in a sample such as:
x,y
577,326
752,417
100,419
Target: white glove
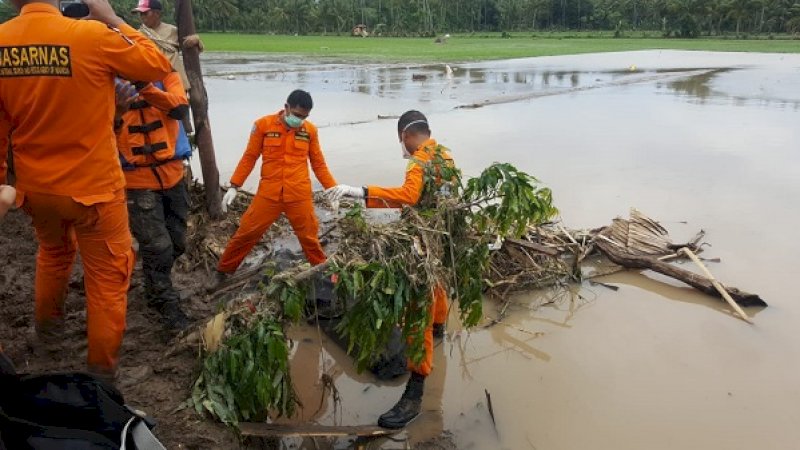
x,y
227,199
496,245
342,190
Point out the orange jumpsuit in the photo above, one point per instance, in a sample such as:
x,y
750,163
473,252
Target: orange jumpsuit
x,y
409,194
57,109
285,187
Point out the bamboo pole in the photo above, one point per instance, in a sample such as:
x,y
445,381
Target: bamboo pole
x,y
717,286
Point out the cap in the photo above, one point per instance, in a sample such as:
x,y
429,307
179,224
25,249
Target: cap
x,y
147,5
75,10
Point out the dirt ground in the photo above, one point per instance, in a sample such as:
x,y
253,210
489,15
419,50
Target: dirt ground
x,y
149,380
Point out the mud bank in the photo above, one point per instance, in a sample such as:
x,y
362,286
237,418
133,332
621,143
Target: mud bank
x,y
148,380
151,377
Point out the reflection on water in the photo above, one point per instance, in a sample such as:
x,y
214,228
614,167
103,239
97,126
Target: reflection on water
x,y
481,84
700,89
696,86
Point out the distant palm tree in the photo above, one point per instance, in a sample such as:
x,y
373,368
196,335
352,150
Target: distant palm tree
x,y
6,11
740,10
793,24
223,11
278,19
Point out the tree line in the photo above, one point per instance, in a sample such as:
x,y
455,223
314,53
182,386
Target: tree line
x,y
670,18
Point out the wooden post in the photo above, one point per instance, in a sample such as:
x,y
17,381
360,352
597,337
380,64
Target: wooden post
x,y
618,254
199,103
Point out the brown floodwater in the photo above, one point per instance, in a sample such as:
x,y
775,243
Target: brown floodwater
x,y
694,139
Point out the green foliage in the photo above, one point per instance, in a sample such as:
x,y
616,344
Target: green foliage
x,y
355,216
507,201
386,276
290,294
501,18
249,375
502,201
471,48
442,179
469,268
682,17
6,11
384,297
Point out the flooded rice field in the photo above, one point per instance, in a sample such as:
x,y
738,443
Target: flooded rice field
x,y
695,139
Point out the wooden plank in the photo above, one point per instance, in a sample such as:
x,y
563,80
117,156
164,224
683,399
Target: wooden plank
x,y
305,429
533,246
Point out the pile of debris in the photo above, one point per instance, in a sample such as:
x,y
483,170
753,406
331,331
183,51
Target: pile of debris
x,y
489,241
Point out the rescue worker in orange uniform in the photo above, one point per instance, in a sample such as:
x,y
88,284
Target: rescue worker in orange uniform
x,y
414,134
286,143
152,147
57,109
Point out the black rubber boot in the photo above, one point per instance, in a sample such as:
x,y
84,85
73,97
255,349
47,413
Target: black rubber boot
x,y
172,316
409,405
438,330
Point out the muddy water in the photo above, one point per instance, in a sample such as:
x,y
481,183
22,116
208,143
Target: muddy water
x,y
697,140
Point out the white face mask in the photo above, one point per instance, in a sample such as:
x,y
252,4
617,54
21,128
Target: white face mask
x,y
406,154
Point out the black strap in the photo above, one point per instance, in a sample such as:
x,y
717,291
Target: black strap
x,y
11,173
178,112
148,149
140,104
153,167
146,128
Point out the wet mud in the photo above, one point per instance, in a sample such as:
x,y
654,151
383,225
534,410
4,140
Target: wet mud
x,y
149,381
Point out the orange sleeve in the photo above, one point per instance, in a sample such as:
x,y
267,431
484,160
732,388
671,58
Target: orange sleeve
x,y
5,141
167,100
130,54
251,154
397,197
318,164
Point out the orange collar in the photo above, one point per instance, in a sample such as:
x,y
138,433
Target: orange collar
x,y
431,142
39,7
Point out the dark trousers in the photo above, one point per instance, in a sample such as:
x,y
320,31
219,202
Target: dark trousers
x,y
158,222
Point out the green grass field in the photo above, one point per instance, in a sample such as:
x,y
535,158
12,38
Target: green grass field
x,y
471,48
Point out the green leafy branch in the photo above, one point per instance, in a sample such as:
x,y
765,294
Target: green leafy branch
x,y
248,376
505,200
386,275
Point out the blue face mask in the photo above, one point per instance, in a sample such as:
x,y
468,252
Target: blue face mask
x,y
292,121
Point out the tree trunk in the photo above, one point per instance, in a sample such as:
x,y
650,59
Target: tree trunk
x,y
761,22
699,282
199,102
